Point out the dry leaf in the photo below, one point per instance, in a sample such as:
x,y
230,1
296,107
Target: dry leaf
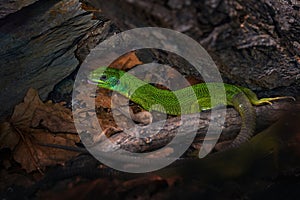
x,y
24,111
54,117
126,61
9,138
31,124
33,156
103,98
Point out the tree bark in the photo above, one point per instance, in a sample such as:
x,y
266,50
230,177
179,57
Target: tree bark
x,y
41,44
266,115
254,43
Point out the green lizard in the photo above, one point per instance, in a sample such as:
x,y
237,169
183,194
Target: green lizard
x,y
152,98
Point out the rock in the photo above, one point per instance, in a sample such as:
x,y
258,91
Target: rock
x,y
247,39
37,47
7,7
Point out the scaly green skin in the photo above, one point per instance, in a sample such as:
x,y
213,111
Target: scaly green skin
x,y
152,98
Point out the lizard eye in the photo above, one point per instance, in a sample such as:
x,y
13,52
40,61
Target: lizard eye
x,y
103,77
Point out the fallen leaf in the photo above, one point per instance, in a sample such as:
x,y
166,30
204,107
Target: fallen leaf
x,y
33,123
24,111
54,117
103,98
126,61
33,156
9,138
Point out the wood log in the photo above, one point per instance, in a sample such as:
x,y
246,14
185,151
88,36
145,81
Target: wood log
x,y
157,136
254,43
38,45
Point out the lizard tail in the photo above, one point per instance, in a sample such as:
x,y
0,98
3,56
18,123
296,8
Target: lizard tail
x,y
242,104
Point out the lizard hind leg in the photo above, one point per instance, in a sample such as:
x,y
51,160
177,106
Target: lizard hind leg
x,y
255,101
269,100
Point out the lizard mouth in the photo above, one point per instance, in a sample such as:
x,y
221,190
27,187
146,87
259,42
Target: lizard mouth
x,y
98,82
92,82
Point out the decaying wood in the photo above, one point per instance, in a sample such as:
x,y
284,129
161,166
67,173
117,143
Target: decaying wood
x,y
254,43
266,115
8,7
270,153
40,46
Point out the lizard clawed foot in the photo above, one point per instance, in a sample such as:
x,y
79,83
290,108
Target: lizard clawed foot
x,y
269,100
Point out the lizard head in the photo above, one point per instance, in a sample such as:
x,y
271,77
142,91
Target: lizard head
x,y
105,77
